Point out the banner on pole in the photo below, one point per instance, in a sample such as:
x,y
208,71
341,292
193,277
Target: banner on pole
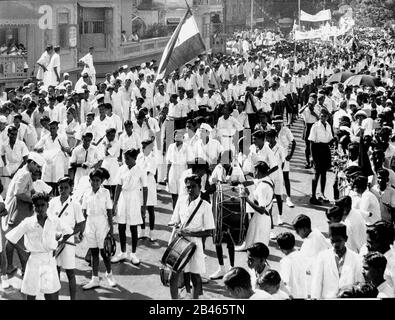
x,y
323,15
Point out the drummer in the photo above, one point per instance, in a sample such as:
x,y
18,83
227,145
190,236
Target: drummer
x,y
201,225
226,172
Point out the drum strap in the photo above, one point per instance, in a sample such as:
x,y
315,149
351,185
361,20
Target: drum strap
x,y
272,186
63,209
193,214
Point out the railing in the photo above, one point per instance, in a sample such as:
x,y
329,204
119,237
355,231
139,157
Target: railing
x,y
146,46
12,67
94,26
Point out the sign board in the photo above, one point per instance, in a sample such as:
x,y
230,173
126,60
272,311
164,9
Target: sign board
x,y
46,21
73,36
173,20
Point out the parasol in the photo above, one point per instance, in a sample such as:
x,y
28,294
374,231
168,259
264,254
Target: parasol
x,y
362,80
340,77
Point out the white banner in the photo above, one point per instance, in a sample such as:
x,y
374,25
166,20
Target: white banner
x,y
323,15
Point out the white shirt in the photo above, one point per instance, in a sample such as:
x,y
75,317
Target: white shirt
x,y
14,157
98,203
228,127
320,133
356,230
293,274
208,152
71,216
129,142
367,203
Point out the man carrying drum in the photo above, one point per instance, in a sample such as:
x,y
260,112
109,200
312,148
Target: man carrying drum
x,y
201,225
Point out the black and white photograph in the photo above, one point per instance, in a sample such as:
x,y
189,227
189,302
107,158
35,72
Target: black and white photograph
x,y
219,151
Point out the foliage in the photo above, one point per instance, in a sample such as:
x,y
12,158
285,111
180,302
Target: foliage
x,y
154,31
373,13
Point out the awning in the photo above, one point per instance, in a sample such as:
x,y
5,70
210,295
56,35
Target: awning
x,y
95,4
15,13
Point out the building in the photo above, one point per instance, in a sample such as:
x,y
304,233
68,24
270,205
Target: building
x,y
75,26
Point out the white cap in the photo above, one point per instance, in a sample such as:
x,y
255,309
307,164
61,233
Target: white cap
x,y
80,90
99,96
359,90
206,126
37,158
389,101
26,96
3,119
143,65
125,66
361,113
66,74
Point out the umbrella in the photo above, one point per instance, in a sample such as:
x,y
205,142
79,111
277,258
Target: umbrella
x,y
362,80
340,77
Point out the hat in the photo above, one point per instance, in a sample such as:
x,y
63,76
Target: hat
x,y
3,119
99,96
338,229
125,66
66,74
206,126
143,65
359,90
361,113
34,156
80,90
389,101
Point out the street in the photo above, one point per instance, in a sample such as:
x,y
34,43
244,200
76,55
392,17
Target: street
x,y
143,281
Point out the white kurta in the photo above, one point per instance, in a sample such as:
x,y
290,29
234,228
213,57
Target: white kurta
x,y
203,220
326,280
293,274
260,224
129,202
55,166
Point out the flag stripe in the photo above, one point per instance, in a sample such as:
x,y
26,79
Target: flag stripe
x,y
185,44
184,53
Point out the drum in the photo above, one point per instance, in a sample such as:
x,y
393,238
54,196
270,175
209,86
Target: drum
x,y
178,253
231,219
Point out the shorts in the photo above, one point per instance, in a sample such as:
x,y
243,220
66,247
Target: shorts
x,y
96,231
66,259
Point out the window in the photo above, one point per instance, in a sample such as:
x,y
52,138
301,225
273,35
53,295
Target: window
x,y
63,25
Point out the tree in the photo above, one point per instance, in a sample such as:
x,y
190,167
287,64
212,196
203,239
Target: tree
x,y
373,13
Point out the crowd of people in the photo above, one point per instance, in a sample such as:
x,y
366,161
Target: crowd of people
x,y
77,159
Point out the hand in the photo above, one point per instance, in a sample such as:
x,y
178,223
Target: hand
x,y
166,180
84,166
288,157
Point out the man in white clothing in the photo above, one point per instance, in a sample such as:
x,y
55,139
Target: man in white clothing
x,y
89,68
337,267
374,265
292,267
314,242
54,68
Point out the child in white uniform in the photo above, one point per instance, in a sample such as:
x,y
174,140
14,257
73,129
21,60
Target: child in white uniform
x,y
70,213
176,158
147,161
127,198
3,212
97,209
41,233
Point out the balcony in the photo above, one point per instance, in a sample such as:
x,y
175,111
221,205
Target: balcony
x,y
143,47
12,67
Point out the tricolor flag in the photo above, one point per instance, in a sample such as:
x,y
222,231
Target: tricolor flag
x,y
184,45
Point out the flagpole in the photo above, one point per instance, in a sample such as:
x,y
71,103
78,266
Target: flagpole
x,y
299,12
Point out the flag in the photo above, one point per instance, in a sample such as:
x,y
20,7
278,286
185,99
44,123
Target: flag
x,y
323,15
184,45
